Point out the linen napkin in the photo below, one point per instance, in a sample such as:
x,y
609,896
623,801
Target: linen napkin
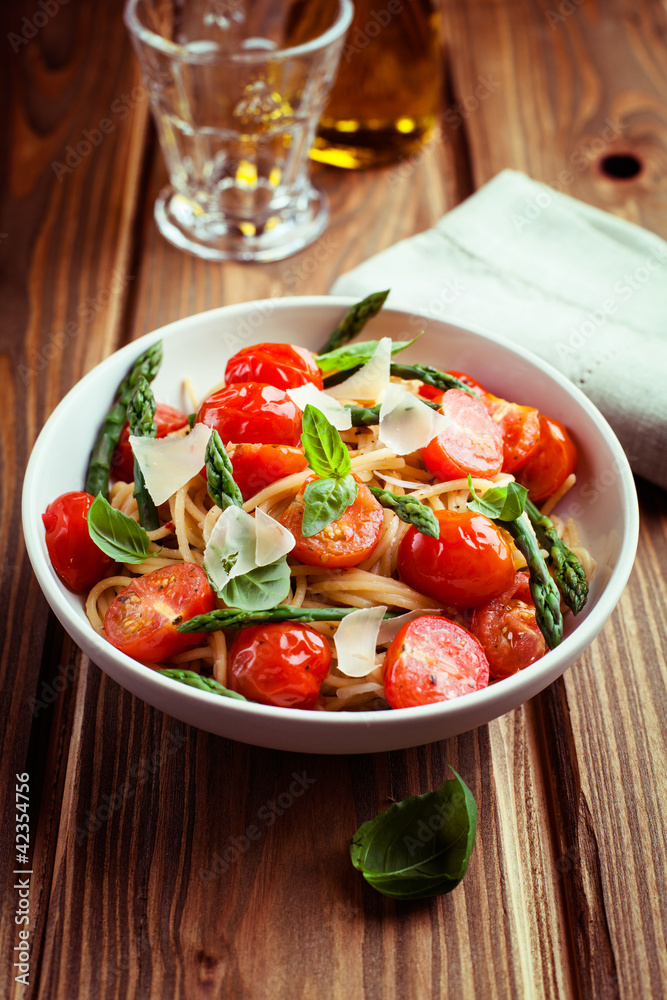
x,y
582,289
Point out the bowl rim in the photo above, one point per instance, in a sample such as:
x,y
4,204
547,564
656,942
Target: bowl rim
x,y
546,669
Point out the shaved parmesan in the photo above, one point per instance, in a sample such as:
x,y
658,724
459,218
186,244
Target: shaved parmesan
x,y
390,627
407,423
171,462
231,548
371,381
337,415
271,540
240,543
356,639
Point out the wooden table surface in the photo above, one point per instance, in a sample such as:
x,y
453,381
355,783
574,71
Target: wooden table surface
x,y
567,888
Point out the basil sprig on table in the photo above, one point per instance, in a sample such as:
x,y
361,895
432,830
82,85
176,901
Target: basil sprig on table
x,y
421,846
194,680
351,355
328,497
116,534
222,487
505,504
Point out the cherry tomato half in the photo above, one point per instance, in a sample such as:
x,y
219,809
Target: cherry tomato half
x,y
280,664
257,465
167,419
432,659
252,412
520,429
469,563
283,365
142,620
345,542
553,461
471,444
73,554
508,631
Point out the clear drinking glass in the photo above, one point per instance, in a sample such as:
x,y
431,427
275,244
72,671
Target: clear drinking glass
x,y
236,89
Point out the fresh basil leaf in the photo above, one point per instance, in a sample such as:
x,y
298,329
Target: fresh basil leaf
x,y
356,354
118,535
260,589
500,503
325,501
196,680
421,846
322,444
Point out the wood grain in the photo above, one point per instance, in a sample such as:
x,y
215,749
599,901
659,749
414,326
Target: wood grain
x,y
172,863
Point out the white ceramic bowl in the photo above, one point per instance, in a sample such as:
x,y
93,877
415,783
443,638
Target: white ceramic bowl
x,y
603,501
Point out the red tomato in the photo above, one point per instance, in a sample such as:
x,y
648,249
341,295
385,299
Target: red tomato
x,y
281,664
167,418
142,620
471,382
283,365
345,542
508,631
469,563
73,554
252,412
471,444
432,659
520,429
549,466
257,465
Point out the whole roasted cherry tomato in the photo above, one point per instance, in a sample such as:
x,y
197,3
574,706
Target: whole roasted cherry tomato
x,y
469,563
280,664
432,659
551,463
283,365
520,429
470,444
507,629
257,465
142,620
345,542
74,556
167,419
252,412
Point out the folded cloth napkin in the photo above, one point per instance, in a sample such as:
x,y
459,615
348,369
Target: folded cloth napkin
x,y
583,289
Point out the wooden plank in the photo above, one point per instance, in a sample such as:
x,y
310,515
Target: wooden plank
x,y
66,222
603,733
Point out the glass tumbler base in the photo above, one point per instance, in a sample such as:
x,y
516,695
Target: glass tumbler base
x,y
213,237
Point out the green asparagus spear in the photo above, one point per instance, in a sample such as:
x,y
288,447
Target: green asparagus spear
x,y
202,683
366,416
99,465
222,488
354,320
141,418
569,572
425,373
410,510
234,618
543,589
